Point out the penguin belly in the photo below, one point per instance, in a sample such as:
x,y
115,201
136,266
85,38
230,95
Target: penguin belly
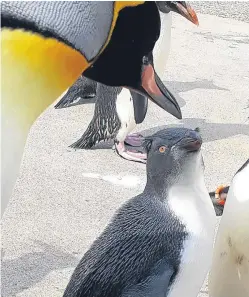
x,y
229,275
194,209
162,46
125,111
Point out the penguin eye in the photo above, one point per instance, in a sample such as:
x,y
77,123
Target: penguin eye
x,y
162,149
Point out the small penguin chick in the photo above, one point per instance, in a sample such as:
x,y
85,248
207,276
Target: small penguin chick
x,y
155,241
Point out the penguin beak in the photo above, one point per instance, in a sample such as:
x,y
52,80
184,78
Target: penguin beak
x,y
187,11
192,142
154,88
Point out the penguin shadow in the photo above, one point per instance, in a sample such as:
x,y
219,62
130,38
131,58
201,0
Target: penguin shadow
x,y
233,38
181,87
209,131
24,272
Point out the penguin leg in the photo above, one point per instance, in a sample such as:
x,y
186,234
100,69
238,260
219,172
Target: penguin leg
x,y
134,139
130,155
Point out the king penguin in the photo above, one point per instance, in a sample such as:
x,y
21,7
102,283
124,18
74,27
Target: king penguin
x,y
46,45
126,109
158,243
229,275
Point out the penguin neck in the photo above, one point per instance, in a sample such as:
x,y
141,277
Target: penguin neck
x,y
187,181
35,71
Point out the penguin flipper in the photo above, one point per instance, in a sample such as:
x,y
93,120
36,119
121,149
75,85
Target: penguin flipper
x,y
140,104
156,285
83,88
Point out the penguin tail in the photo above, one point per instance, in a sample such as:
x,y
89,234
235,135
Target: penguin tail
x,y
83,88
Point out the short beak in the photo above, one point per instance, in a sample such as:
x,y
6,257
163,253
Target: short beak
x,y
188,12
192,142
154,88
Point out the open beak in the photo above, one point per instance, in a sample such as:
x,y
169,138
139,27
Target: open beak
x,y
154,88
187,12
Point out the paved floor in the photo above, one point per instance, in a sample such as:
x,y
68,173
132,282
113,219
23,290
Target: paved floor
x,y
63,199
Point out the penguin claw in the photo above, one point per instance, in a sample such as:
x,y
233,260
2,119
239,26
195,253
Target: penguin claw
x,y
129,155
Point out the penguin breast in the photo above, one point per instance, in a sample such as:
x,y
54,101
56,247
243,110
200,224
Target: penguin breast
x,y
193,207
125,111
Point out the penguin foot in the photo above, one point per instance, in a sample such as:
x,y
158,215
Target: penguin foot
x,y
134,139
130,155
218,198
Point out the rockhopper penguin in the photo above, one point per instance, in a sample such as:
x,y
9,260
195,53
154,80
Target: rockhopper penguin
x,y
158,243
229,275
127,108
46,45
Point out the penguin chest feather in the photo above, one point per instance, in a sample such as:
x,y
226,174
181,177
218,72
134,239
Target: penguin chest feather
x,y
230,268
125,111
194,209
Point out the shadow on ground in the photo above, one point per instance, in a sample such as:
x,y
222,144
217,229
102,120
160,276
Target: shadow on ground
x,y
209,131
24,272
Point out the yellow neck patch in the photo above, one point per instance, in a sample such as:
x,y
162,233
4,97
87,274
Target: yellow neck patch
x,y
35,71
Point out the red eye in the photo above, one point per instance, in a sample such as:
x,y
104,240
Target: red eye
x,y
162,149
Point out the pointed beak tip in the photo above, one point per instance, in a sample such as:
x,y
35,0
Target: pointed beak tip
x,y
193,16
178,115
196,22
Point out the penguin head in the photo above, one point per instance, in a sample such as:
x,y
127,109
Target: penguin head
x,y
173,155
127,60
181,7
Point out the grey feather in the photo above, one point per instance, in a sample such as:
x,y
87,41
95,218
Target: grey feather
x,y
137,247
92,21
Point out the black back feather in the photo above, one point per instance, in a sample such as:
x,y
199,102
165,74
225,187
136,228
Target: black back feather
x,y
105,122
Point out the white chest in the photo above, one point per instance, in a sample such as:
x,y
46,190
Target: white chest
x,y
162,48
194,208
125,111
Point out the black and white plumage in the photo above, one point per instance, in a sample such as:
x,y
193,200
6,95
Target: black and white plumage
x,y
113,119
153,246
101,127
128,108
229,273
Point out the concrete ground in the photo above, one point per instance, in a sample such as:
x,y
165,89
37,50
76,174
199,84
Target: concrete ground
x,y
63,199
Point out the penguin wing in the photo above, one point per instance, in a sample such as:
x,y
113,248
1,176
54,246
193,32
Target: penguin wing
x,y
111,268
156,284
134,256
140,104
83,88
